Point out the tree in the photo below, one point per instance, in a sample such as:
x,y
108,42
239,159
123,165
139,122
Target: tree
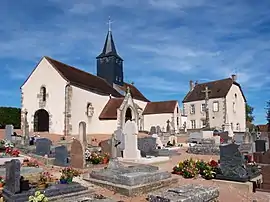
x,y
249,113
10,115
268,114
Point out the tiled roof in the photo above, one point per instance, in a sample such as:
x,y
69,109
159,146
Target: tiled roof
x,y
160,107
219,89
135,93
109,112
263,128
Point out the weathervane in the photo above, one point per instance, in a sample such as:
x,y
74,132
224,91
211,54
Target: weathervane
x,y
110,24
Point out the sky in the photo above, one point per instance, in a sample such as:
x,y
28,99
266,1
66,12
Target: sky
x,y
164,43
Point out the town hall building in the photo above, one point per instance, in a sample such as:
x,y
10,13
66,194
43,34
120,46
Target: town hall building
x,y
60,99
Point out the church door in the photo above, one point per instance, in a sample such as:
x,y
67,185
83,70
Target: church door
x,y
41,121
128,115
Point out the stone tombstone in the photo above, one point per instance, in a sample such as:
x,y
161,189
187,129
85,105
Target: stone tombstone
x,y
232,162
43,146
153,130
13,176
158,130
131,150
105,146
266,177
147,144
217,140
61,156
225,137
120,137
260,145
77,154
238,138
82,133
246,148
9,130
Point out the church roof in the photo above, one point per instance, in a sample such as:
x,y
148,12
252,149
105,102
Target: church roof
x,y
160,107
109,112
109,47
82,79
218,89
135,93
263,128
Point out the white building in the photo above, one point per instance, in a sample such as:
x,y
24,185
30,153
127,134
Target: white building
x,y
61,99
227,105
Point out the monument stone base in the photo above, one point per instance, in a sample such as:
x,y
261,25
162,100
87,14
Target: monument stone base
x,y
53,193
131,180
146,160
187,193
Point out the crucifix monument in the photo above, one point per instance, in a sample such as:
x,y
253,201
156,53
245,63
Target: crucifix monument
x,y
206,91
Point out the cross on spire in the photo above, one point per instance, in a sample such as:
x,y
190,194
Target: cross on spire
x,y
110,24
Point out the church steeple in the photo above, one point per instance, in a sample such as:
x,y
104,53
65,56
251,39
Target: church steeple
x,y
109,63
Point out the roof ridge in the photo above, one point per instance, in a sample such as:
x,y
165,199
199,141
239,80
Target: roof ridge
x,y
214,81
165,101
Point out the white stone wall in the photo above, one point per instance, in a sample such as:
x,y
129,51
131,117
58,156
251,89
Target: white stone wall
x,y
239,115
45,75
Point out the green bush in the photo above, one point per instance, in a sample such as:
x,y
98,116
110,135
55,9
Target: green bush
x,y
10,115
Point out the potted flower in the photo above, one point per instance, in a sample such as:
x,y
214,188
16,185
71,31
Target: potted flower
x,y
44,178
106,158
95,158
208,173
38,197
201,165
68,174
2,181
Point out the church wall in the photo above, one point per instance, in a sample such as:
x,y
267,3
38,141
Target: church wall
x,y
216,118
156,120
141,104
239,114
55,96
80,99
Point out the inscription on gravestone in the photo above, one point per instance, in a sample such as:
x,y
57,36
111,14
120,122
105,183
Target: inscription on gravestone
x,y
147,144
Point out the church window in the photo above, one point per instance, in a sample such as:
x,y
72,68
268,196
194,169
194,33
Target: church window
x,y
237,126
203,123
43,94
192,109
203,107
193,124
234,107
177,120
215,106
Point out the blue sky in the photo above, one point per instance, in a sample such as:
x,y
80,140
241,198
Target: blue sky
x,y
165,43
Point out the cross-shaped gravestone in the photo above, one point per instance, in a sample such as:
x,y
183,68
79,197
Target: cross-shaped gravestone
x,y
206,91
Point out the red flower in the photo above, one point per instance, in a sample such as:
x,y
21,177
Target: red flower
x,y
213,163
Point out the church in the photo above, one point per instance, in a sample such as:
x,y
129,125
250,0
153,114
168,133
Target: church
x,y
60,99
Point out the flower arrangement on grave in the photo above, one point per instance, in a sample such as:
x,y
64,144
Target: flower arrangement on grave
x,y
190,168
44,179
106,158
30,163
12,152
95,158
8,144
38,197
2,181
68,174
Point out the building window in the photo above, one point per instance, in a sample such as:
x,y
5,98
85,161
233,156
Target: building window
x,y
203,123
215,106
43,94
237,126
177,120
192,109
203,108
193,124
232,126
234,107
177,110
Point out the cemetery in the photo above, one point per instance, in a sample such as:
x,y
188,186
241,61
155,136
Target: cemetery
x,y
133,166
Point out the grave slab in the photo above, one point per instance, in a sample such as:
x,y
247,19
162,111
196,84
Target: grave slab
x,y
187,193
146,160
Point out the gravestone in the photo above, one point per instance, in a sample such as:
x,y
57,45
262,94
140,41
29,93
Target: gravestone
x,y
232,165
9,129
186,193
105,146
153,130
77,154
13,175
224,137
147,145
43,146
131,150
260,145
120,137
61,156
246,148
266,178
238,138
195,137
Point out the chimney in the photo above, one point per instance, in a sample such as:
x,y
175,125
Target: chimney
x,y
234,77
191,85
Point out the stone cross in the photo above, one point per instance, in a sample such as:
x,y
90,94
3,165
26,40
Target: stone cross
x,y
206,91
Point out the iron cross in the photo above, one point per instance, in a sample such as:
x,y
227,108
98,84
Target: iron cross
x,y
206,91
110,24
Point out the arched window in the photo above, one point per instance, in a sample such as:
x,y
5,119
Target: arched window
x,y
43,93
